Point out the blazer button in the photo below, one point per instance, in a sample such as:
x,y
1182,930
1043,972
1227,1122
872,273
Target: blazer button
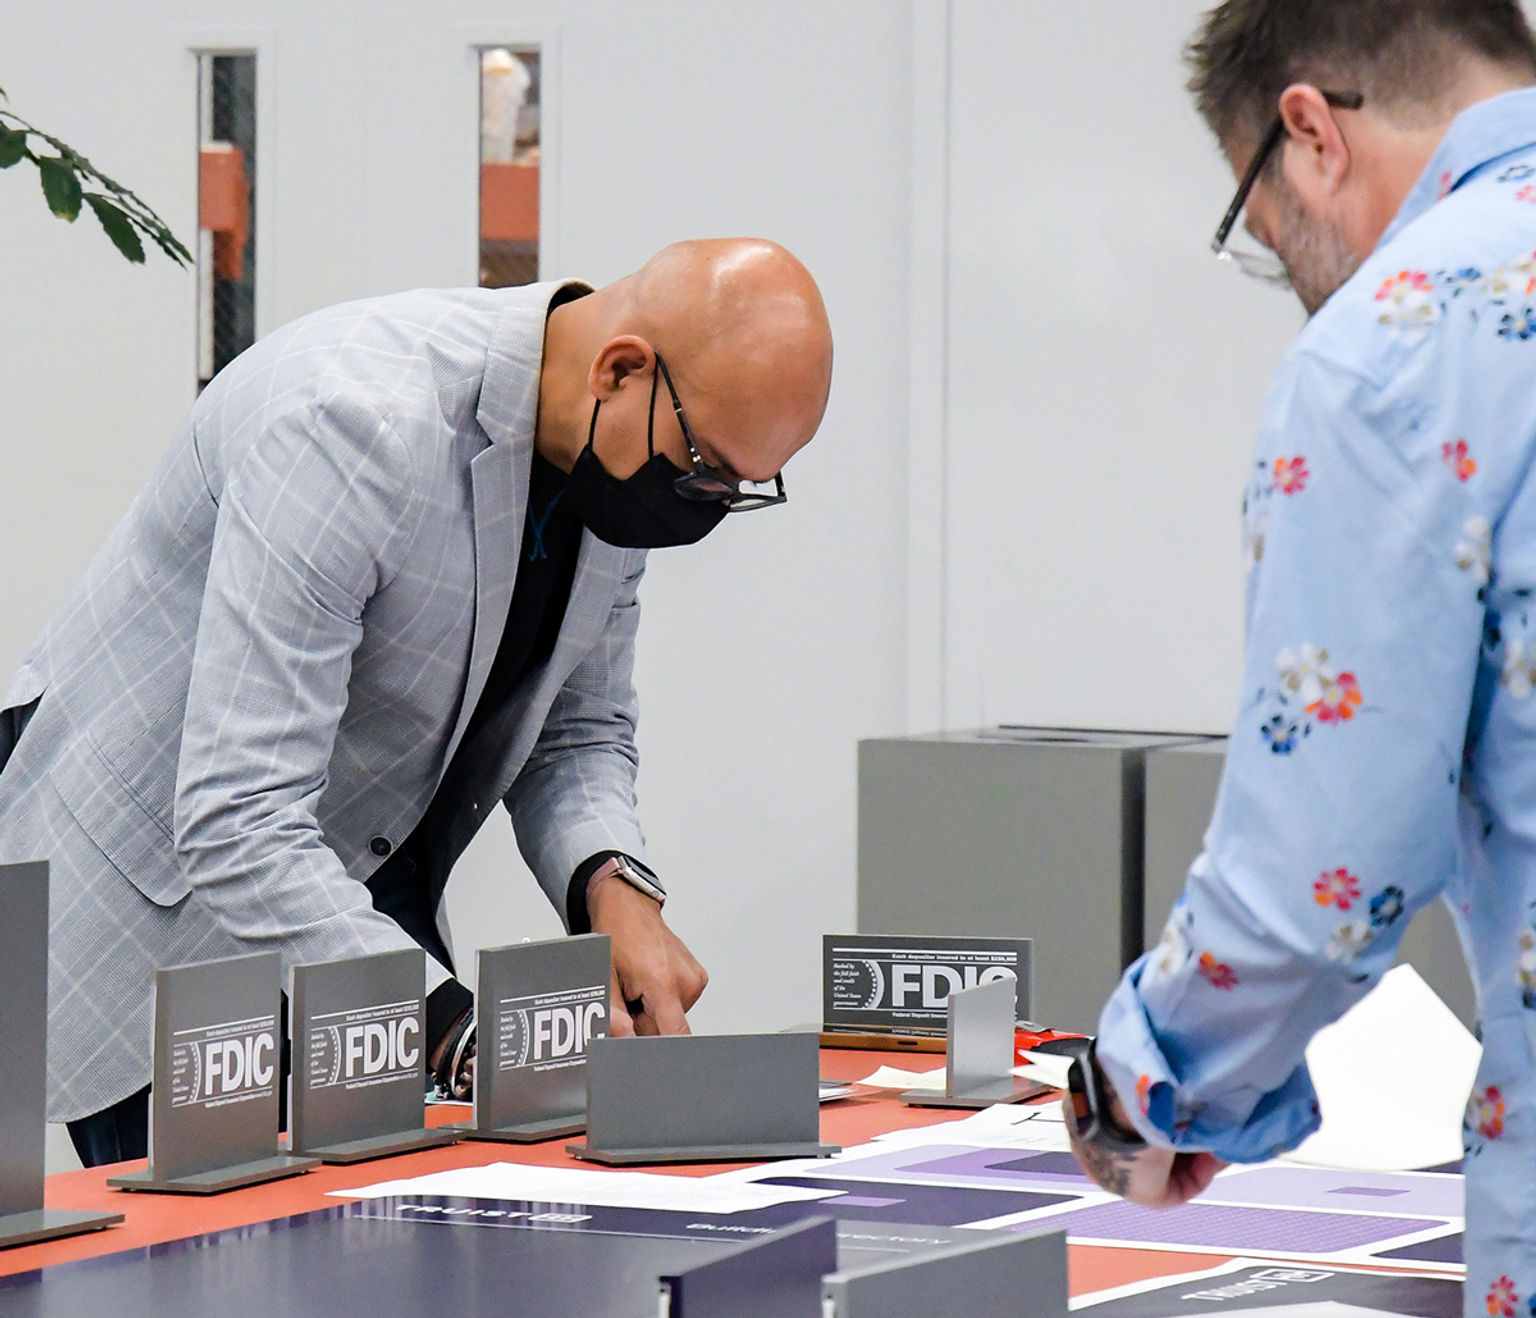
x,y
380,846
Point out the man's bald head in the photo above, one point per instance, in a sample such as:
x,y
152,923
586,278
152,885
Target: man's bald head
x,y
742,328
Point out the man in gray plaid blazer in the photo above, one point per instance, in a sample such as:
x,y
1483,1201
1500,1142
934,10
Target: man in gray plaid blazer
x,y
311,643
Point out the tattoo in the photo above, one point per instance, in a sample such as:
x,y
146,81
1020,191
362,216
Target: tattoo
x,y
1110,1169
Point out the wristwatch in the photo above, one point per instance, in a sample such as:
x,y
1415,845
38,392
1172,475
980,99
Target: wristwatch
x,y
640,877
1088,1102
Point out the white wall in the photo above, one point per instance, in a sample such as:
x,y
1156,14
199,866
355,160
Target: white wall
x,y
767,652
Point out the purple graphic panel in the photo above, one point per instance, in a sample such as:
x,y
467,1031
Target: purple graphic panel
x,y
1318,1187
1216,1227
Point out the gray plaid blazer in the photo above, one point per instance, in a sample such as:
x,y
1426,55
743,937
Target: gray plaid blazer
x,y
264,672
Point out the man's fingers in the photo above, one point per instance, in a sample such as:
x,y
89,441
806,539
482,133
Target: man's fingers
x,y
620,1024
667,1013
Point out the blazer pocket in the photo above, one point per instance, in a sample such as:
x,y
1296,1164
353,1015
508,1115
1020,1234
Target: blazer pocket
x,y
137,844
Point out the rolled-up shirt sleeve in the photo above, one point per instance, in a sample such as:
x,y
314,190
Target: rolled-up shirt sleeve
x,y
1336,817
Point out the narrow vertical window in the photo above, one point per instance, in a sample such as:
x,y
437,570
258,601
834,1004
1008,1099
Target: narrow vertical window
x,y
226,211
509,166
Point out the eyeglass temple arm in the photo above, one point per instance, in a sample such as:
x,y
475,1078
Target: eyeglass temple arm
x,y
1339,101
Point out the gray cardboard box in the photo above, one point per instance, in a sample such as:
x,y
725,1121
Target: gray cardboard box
x,y
1181,784
1011,832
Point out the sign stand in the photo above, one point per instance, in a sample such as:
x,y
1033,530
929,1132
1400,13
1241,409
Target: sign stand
x,y
702,1098
980,1053
359,1061
213,1103
538,1006
24,1096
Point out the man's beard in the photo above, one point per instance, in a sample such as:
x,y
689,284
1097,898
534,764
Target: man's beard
x,y
1315,254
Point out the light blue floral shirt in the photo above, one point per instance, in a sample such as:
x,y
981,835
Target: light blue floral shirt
x,y
1385,752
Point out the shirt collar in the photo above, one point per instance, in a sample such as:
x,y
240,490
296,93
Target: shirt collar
x,y
1480,136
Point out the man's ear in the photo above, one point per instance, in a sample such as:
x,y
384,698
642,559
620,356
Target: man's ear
x,y
1314,156
619,359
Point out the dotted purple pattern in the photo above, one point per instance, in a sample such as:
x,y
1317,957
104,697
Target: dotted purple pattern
x,y
1218,1227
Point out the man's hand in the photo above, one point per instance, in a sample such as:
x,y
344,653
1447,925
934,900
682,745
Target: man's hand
x,y
655,977
1151,1177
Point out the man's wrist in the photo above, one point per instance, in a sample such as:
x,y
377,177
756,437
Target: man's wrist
x,y
595,871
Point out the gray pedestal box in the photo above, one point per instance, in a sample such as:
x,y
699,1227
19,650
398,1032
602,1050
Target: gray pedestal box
x,y
1011,832
1181,783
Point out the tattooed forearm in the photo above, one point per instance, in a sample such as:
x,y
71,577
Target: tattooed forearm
x,y
1110,1169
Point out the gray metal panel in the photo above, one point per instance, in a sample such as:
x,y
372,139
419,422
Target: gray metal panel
x,y
778,1276
24,1027
688,1090
1003,1276
980,1049
1024,833
216,1066
538,1007
1181,786
359,1061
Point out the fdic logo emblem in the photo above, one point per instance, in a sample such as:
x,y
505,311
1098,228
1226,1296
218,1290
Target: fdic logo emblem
x,y
365,1046
224,1063
549,1031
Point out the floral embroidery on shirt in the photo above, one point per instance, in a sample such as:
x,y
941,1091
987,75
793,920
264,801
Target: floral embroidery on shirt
x,y
1144,1094
1256,498
1217,972
1526,969
1527,193
1517,174
1474,551
1349,940
1502,1299
1518,324
1387,906
1291,475
1458,457
1408,302
1485,1113
1322,692
1173,950
1336,888
1519,677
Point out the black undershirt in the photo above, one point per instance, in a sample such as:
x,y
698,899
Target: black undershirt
x,y
409,884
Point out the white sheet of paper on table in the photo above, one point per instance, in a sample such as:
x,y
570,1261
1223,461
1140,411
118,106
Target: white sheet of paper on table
x,y
561,1185
1392,1078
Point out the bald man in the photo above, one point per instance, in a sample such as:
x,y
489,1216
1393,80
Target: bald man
x,y
385,578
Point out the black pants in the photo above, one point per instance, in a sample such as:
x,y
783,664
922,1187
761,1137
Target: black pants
x,y
115,1134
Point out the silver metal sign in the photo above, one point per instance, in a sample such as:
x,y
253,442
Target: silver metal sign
x,y
898,984
538,1008
703,1098
24,1096
359,1058
217,1066
980,1052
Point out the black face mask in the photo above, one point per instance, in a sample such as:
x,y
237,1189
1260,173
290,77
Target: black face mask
x,y
643,511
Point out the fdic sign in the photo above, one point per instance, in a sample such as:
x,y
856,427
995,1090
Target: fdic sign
x,y
539,1006
359,1059
880,982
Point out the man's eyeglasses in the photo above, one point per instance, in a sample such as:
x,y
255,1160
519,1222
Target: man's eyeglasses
x,y
1265,267
706,484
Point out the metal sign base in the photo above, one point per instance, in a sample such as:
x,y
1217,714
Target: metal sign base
x,y
50,1224
218,1180
383,1146
700,1153
529,1132
1018,1091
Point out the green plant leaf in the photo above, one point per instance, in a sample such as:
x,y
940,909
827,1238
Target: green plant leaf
x,y
13,145
118,228
61,187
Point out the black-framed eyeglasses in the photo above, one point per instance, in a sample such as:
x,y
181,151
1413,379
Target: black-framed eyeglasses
x,y
707,484
1267,268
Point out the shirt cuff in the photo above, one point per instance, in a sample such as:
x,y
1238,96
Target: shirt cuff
x,y
1168,1110
577,918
